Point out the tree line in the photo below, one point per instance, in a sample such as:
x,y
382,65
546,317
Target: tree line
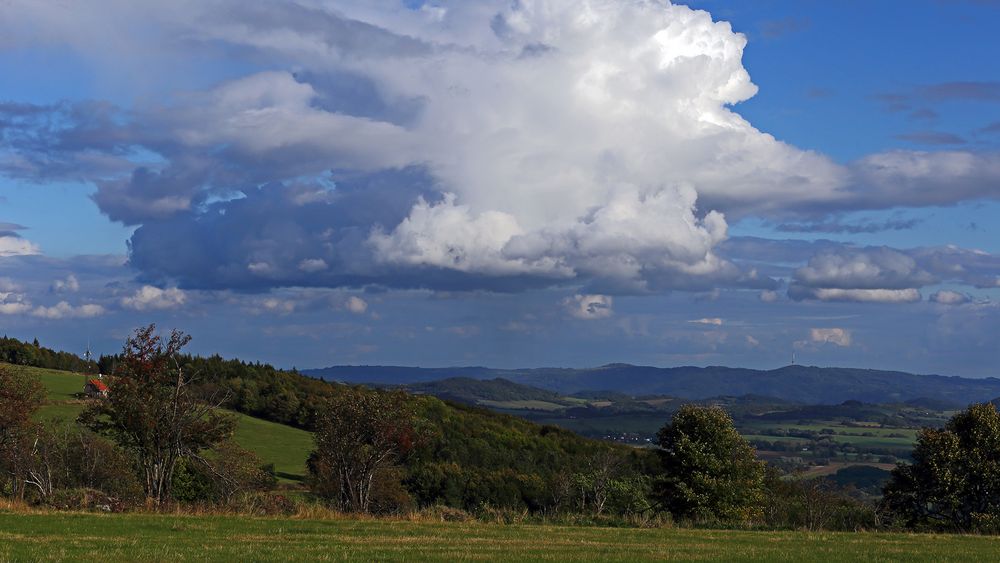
x,y
14,351
163,437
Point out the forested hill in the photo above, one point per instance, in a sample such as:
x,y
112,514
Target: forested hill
x,y
803,384
473,391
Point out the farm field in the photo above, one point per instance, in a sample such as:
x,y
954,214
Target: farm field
x,y
144,537
522,405
286,447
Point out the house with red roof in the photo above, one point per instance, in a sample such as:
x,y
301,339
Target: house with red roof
x,y
95,388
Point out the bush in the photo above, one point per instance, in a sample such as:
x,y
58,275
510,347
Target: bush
x,y
85,499
814,504
227,472
263,504
446,514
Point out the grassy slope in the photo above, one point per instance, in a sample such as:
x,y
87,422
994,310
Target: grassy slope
x,y
141,537
286,447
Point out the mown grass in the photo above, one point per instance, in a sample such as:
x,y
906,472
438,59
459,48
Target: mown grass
x,y
286,447
145,537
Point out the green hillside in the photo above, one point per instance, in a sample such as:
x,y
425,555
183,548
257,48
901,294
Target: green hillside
x,y
286,447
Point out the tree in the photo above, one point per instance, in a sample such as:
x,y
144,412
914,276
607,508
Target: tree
x,y
954,480
709,470
20,396
360,438
151,411
595,485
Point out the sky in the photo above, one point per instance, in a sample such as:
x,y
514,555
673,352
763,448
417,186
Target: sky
x,y
512,184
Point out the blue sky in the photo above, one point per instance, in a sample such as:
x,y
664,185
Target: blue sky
x,y
508,184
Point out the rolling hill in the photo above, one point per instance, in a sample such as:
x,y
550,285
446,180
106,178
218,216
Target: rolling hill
x,y
286,447
802,384
491,392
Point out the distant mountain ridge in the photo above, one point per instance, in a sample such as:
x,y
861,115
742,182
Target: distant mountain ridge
x,y
473,391
803,384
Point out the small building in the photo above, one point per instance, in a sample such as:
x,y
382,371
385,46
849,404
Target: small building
x,y
95,388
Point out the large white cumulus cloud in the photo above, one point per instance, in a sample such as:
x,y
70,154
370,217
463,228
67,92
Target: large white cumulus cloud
x,y
576,139
553,141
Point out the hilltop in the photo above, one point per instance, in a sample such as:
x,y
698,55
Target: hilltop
x,y
801,384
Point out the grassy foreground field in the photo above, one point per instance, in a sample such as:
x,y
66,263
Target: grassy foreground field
x,y
139,537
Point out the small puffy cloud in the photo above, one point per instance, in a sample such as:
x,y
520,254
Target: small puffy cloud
x,y
356,305
589,307
12,244
518,326
837,336
751,341
7,284
948,297
312,265
149,297
708,321
769,296
259,268
464,331
12,302
68,285
64,310
275,305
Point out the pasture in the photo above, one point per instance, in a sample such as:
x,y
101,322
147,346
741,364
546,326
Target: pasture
x,y
149,537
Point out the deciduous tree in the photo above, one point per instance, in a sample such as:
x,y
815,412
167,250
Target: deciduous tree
x,y
709,470
151,412
360,437
20,396
954,480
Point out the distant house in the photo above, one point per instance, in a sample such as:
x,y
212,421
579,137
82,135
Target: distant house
x,y
95,388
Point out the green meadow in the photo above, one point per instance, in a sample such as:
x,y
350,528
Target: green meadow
x,y
145,537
